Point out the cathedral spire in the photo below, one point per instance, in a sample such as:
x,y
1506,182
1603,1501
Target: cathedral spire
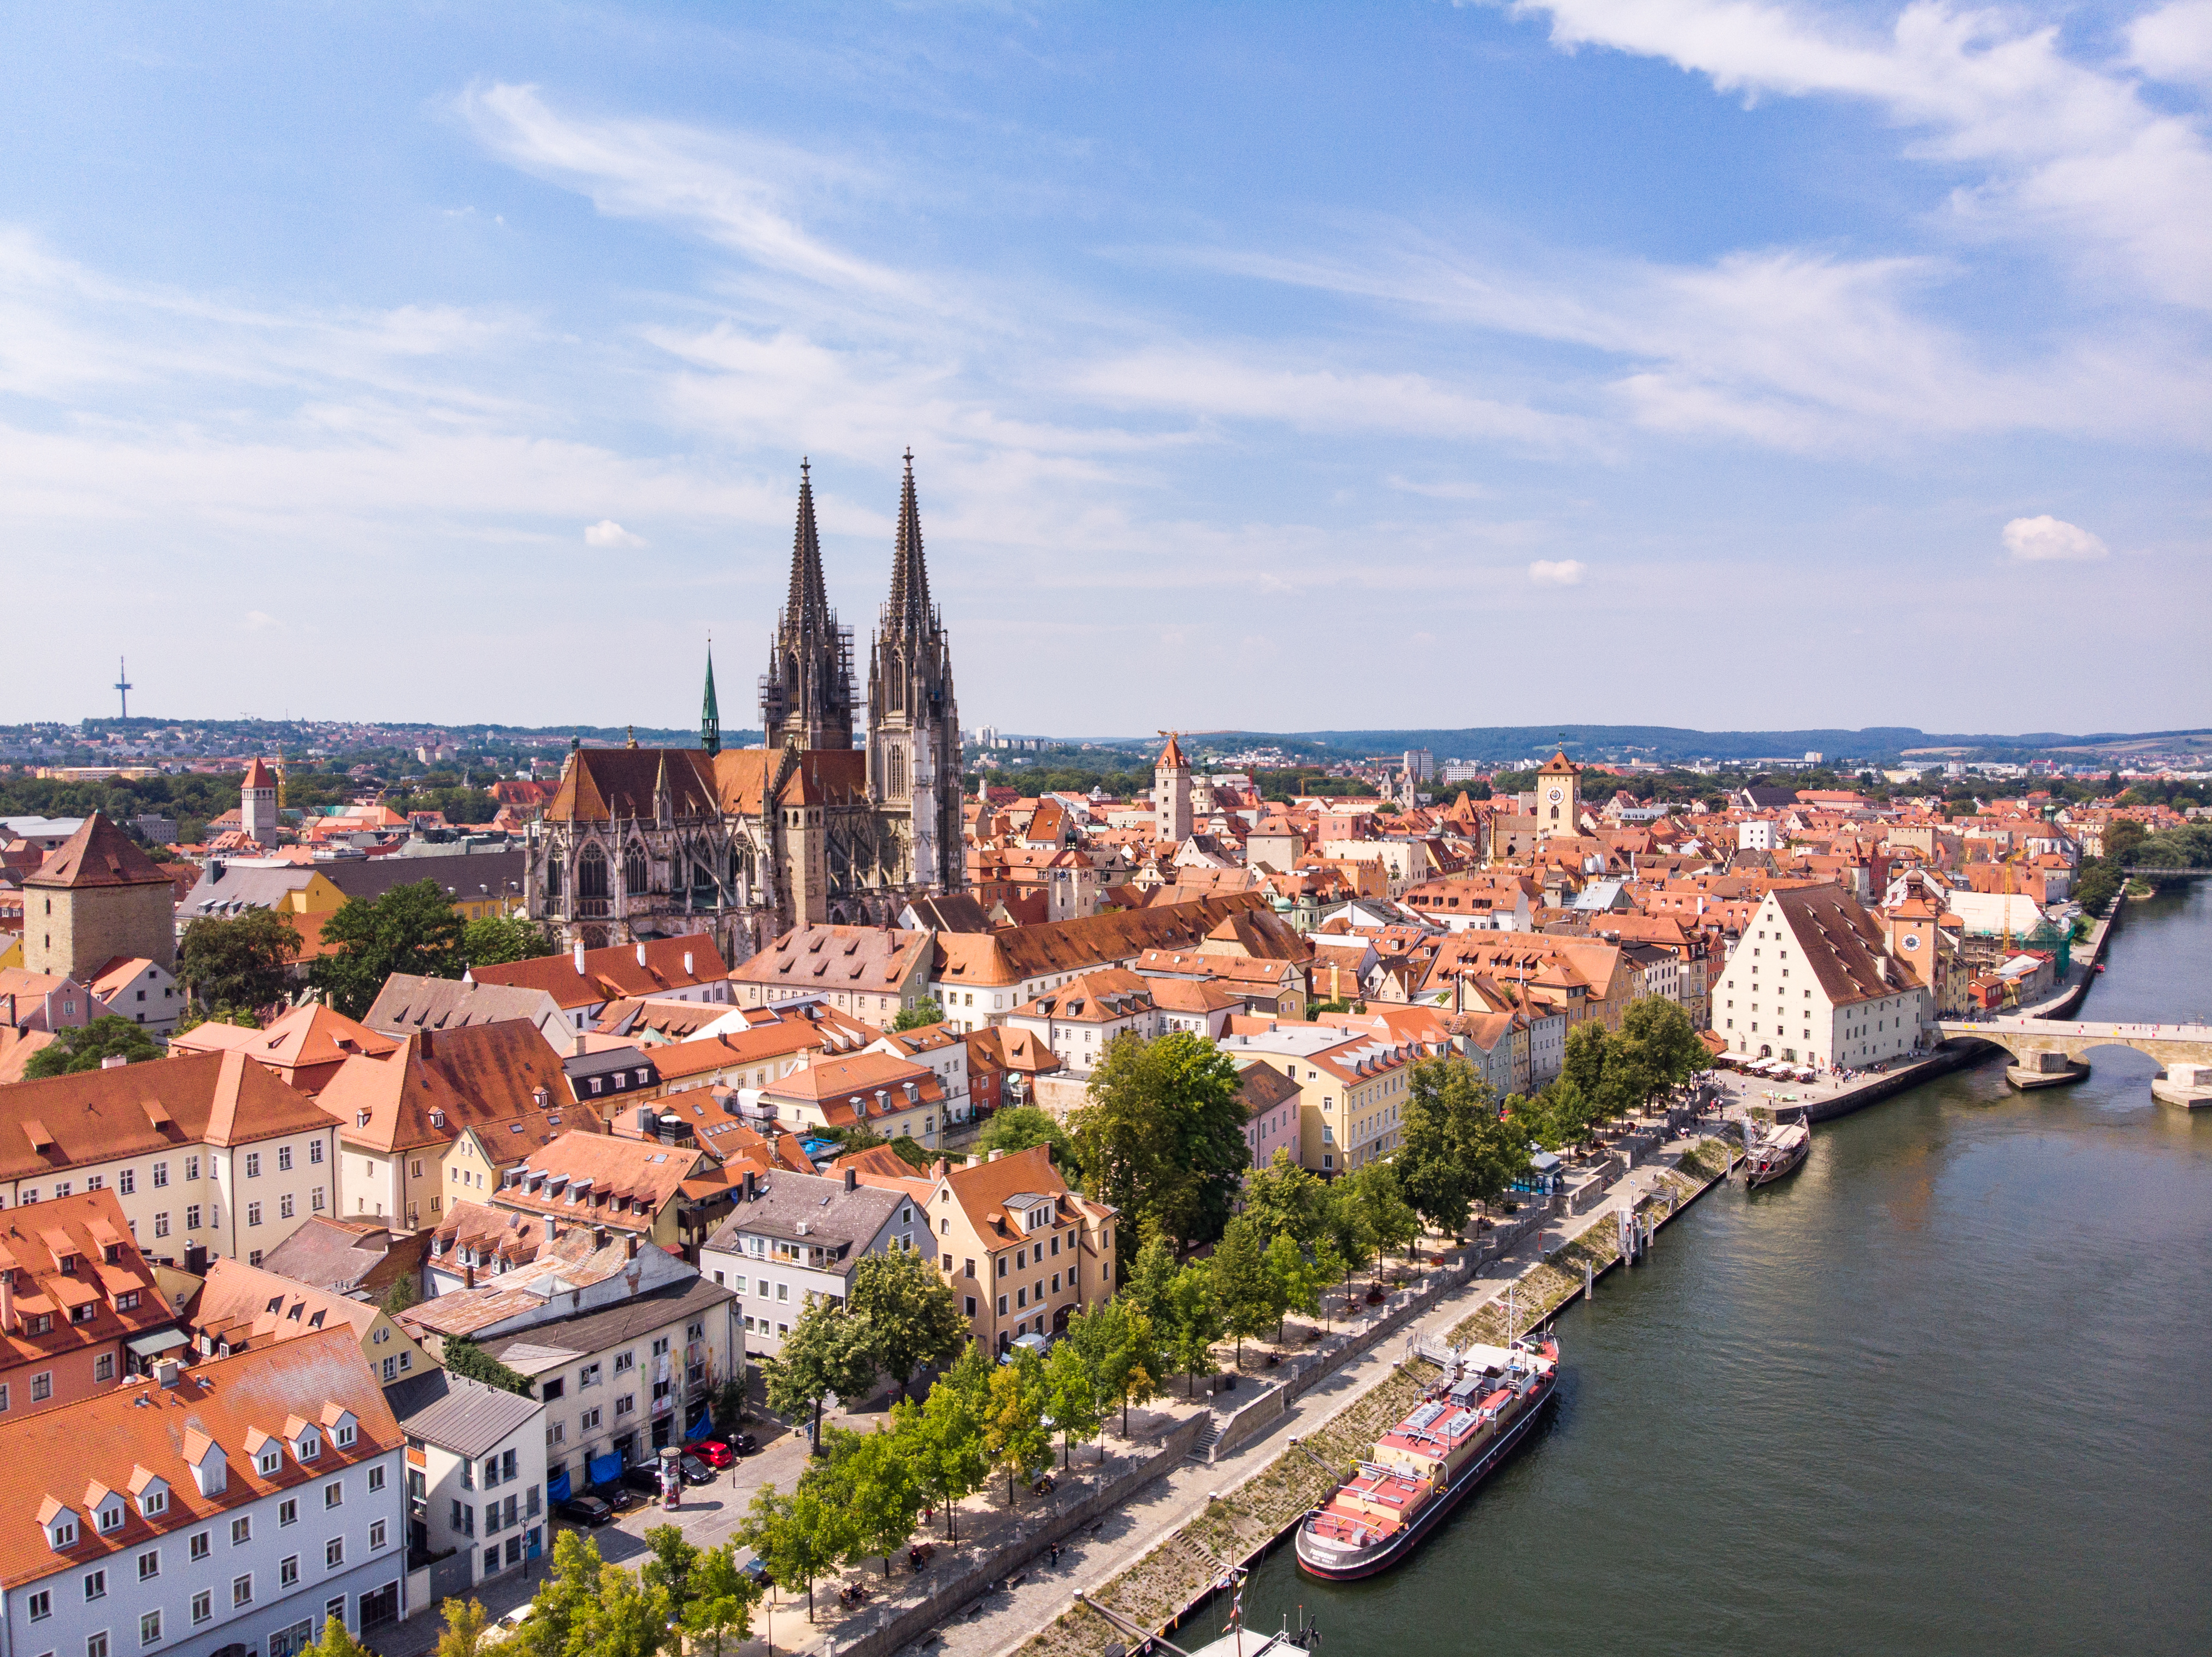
x,y
806,695
909,608
710,714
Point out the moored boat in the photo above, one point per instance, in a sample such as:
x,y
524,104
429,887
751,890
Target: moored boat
x,y
1780,1150
1424,1467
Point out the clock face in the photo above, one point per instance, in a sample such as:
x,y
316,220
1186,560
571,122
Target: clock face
x,y
1909,942
1555,797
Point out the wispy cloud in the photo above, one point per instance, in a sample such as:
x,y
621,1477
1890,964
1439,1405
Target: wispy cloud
x,y
1556,572
2047,540
608,533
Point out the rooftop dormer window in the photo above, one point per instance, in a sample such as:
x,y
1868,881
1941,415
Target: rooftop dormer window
x,y
61,1531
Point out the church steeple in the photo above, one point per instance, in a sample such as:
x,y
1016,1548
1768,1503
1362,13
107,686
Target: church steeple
x,y
909,609
913,722
710,713
806,695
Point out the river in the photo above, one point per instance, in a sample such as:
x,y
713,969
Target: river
x,y
1948,1391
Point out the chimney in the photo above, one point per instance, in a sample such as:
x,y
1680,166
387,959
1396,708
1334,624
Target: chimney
x,y
552,1231
113,1062
428,1044
468,1274
630,1246
852,1178
995,1156
168,1371
600,1238
752,1185
686,964
640,951
214,871
579,958
576,1045
940,1168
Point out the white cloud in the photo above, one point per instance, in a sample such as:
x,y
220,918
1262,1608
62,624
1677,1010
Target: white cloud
x,y
2063,146
260,621
608,533
2046,539
2175,43
1556,572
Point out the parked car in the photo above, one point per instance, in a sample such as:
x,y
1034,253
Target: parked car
x,y
644,1477
696,1471
756,1569
714,1452
585,1510
617,1495
1039,1344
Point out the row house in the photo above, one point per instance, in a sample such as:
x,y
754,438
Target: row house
x,y
475,1477
1023,1251
243,1308
1080,1020
793,1239
582,983
207,1151
872,973
230,1509
80,1310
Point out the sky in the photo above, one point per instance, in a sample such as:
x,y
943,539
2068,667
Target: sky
x,y
1732,363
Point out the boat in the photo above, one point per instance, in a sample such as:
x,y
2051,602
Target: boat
x,y
1779,1151
1460,1432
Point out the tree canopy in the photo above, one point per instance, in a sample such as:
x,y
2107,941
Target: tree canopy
x,y
1018,1127
493,940
86,1047
238,963
910,1315
1162,1137
1454,1151
410,929
922,1013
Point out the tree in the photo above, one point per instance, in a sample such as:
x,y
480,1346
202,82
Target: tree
x,y
1118,1344
910,1313
729,1404
923,1014
1297,1280
1018,1127
883,1495
1585,1061
1071,1396
1656,1049
1448,1107
1348,1235
557,1610
797,1536
1015,1436
669,1568
1193,1322
827,1351
1152,1275
1162,1137
943,1434
239,961
410,929
1245,1290
335,1642
1328,1267
1286,1199
1390,1218
719,1616
465,1357
493,940
87,1046
627,1618
465,1621
402,1295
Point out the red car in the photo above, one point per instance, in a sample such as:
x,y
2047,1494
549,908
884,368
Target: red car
x,y
714,1452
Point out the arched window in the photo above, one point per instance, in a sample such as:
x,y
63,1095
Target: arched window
x,y
552,877
634,874
591,881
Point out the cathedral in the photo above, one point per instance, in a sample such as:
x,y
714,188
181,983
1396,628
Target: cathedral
x,y
744,843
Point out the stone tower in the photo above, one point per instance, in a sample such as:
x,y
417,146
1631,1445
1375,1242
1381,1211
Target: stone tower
x,y
806,695
1171,793
1558,797
257,804
914,719
98,898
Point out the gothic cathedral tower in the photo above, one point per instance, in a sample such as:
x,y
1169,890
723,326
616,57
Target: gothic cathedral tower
x,y
913,722
806,695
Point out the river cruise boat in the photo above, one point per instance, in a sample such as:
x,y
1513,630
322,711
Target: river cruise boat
x,y
1460,1434
1780,1150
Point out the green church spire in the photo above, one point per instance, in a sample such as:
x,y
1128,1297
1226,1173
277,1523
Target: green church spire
x,y
710,715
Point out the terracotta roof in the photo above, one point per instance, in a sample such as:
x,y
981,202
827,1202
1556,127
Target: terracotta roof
x,y
481,1074
984,1190
98,855
96,1115
1100,997
252,1306
168,1431
306,1037
1842,943
1015,953
35,1241
1171,755
612,973
833,1085
878,959
259,776
1262,1088
598,1179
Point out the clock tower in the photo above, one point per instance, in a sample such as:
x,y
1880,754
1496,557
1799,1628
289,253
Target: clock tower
x,y
1558,797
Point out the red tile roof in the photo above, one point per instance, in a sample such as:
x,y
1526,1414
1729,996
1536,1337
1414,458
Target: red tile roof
x,y
98,855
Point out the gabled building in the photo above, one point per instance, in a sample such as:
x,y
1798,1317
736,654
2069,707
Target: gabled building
x,y
476,1474
230,1508
304,1048
80,1310
360,1260
1024,1252
1813,982
409,1001
240,1309
791,1239
603,1183
582,983
885,1094
97,899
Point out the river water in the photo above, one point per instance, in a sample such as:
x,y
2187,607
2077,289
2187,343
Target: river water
x,y
1948,1391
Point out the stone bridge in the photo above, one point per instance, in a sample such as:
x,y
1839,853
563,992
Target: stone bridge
x,y
2026,1039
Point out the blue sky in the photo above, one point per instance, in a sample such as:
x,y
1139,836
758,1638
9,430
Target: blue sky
x,y
1720,362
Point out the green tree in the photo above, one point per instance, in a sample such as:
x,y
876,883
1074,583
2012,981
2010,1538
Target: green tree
x,y
920,1015
627,1618
410,929
1018,1127
1585,1061
1071,1396
884,1495
335,1642
910,1313
1328,1267
1286,1199
87,1046
797,1536
828,1351
1298,1279
1152,1275
1390,1218
1656,1049
1448,1110
719,1618
1015,1436
943,1433
557,1610
672,1561
493,940
1162,1137
463,1634
1117,1341
403,1294
1347,1231
465,1357
238,962
1245,1290
1194,1322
